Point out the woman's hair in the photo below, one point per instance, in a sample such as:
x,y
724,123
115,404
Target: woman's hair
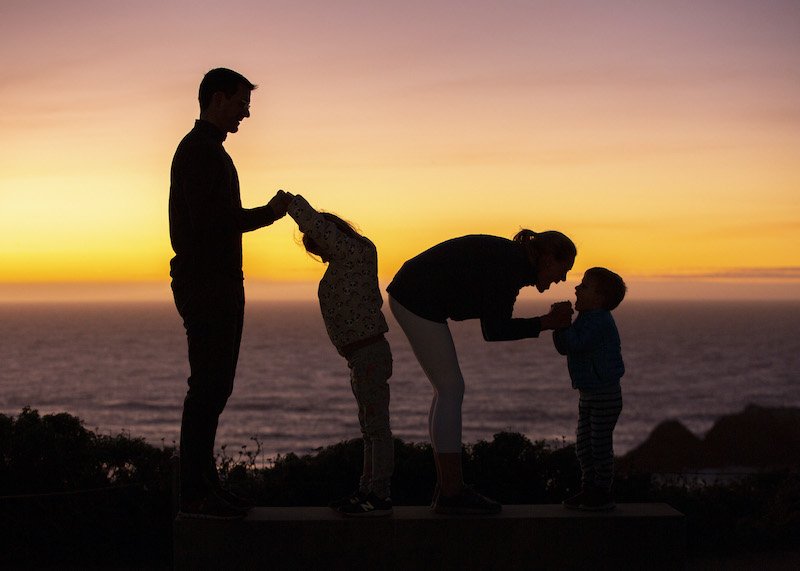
x,y
548,242
313,248
610,285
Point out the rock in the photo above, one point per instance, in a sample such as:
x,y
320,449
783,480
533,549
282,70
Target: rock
x,y
670,447
757,437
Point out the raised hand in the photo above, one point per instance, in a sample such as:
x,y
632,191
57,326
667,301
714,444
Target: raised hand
x,y
279,203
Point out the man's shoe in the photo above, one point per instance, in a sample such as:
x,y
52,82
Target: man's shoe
x,y
467,502
238,502
210,507
370,506
597,501
574,502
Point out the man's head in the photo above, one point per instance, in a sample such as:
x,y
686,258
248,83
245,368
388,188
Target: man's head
x,y
225,98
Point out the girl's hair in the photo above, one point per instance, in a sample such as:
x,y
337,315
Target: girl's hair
x,y
548,242
348,228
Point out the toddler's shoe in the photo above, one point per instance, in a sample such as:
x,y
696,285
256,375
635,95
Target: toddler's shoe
x,y
597,500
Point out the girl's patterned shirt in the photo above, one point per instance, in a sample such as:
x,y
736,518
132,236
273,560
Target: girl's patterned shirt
x,y
349,295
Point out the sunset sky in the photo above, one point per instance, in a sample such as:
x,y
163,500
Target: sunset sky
x,y
663,137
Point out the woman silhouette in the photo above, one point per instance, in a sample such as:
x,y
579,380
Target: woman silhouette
x,y
471,277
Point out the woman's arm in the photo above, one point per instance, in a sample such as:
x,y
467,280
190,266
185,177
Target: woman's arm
x,y
511,329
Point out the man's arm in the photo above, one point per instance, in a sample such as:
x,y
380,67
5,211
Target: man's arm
x,y
253,218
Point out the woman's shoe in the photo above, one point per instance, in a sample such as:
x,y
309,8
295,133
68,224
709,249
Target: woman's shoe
x,y
468,501
574,502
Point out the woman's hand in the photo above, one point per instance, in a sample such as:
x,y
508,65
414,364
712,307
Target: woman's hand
x,y
560,316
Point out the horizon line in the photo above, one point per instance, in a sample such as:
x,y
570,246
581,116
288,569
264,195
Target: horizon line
x,y
729,285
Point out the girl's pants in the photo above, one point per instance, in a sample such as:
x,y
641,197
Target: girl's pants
x,y
370,369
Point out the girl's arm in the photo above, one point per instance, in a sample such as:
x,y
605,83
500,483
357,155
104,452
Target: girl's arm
x,y
333,242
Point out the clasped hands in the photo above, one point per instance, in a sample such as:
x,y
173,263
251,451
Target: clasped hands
x,y
560,316
280,202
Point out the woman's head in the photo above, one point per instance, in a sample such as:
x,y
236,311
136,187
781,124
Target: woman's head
x,y
313,248
551,253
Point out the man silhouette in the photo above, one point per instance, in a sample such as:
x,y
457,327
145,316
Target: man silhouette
x,y
206,222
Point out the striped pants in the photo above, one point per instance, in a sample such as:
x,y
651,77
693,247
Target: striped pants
x,y
597,416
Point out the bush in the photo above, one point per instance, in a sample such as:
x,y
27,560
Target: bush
x,y
68,495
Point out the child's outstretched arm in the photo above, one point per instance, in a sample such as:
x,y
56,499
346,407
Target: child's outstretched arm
x,y
331,241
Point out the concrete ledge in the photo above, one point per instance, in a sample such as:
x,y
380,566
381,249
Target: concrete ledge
x,y
650,536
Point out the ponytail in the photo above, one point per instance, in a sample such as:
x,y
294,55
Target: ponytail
x,y
524,236
548,242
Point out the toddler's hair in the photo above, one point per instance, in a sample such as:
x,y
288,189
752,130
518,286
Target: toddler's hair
x,y
548,242
313,248
610,285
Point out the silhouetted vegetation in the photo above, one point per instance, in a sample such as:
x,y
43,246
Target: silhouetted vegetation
x,y
73,497
68,495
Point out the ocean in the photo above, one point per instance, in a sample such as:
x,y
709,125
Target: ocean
x,y
123,367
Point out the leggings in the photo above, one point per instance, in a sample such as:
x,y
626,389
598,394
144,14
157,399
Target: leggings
x,y
433,347
597,416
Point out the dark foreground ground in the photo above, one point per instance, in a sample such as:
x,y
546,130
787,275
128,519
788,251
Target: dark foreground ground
x,y
70,498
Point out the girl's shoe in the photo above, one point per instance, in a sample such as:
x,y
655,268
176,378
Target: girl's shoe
x,y
467,502
354,498
370,506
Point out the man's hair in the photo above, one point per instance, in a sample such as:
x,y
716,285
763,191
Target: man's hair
x,y
610,285
221,79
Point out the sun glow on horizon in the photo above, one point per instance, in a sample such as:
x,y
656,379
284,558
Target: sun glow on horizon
x,y
663,139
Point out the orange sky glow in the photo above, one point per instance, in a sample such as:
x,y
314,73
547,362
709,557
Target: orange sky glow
x,y
664,138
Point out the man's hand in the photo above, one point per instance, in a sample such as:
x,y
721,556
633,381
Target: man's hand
x,y
279,203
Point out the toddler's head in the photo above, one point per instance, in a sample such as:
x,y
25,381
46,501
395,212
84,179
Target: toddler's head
x,y
600,289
